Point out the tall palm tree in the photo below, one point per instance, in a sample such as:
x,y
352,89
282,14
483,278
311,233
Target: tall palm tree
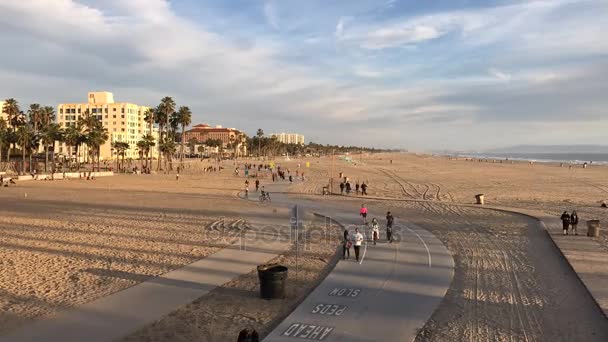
x,y
51,133
149,141
165,109
96,135
35,116
260,134
24,134
120,147
3,136
15,119
184,116
74,138
150,118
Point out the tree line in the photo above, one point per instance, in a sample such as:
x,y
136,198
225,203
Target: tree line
x,y
38,127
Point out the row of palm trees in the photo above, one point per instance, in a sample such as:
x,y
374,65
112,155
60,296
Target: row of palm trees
x,y
38,127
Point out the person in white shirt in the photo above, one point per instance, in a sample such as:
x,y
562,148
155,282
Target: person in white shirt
x,y
375,230
358,240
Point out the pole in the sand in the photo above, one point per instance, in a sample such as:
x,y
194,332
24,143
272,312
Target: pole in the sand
x,y
294,226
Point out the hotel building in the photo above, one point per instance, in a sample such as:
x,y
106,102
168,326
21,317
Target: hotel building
x,y
123,121
202,132
289,138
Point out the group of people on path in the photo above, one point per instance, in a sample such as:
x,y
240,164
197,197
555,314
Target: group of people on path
x,y
356,239
570,222
345,186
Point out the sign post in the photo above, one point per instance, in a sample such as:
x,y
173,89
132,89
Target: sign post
x,y
295,223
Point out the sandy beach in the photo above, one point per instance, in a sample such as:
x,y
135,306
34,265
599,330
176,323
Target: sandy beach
x,y
69,242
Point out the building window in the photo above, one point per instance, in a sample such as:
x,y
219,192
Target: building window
x,y
114,123
122,123
106,111
114,109
122,116
94,110
78,110
60,110
122,110
114,130
122,129
106,115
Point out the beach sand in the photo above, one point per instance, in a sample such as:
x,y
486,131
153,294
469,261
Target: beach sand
x,y
510,283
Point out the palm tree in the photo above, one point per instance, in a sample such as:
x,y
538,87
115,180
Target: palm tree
x,y
260,134
150,118
3,136
96,135
35,116
51,133
164,111
167,147
120,147
24,134
184,117
144,145
48,115
15,119
73,138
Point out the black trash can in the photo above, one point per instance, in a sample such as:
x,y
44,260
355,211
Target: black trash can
x,y
272,281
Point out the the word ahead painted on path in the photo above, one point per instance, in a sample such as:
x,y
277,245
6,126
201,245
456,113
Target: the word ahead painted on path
x,y
328,309
308,331
344,292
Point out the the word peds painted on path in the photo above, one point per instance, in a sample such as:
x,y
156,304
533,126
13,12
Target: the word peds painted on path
x,y
319,332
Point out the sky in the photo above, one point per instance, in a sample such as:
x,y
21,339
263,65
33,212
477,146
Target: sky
x,y
418,75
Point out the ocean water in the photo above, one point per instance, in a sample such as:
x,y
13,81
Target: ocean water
x,y
568,158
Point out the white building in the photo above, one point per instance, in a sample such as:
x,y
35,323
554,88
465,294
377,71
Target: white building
x,y
289,138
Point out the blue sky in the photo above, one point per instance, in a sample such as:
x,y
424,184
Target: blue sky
x,y
450,74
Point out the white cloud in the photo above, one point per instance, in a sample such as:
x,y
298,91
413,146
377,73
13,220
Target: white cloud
x,y
340,26
503,76
271,13
397,36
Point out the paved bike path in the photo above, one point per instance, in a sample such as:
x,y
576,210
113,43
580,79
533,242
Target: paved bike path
x,y
388,296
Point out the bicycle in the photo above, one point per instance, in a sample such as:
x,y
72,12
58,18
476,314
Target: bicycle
x,y
265,198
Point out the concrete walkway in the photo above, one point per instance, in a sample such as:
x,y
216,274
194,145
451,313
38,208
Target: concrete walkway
x,y
584,254
388,296
124,312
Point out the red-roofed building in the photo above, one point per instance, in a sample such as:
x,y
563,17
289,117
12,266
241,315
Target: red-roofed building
x,y
203,132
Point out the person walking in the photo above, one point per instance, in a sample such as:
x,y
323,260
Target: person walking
x,y
348,188
363,213
257,185
342,188
375,230
357,188
389,226
574,222
565,222
346,243
363,189
358,240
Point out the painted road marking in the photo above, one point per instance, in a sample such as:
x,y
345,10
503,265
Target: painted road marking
x,y
424,243
329,309
342,292
308,331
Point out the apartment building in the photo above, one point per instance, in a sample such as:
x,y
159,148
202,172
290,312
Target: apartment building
x,y
124,122
289,138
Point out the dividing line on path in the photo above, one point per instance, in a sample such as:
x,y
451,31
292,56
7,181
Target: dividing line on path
x,y
364,249
428,252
